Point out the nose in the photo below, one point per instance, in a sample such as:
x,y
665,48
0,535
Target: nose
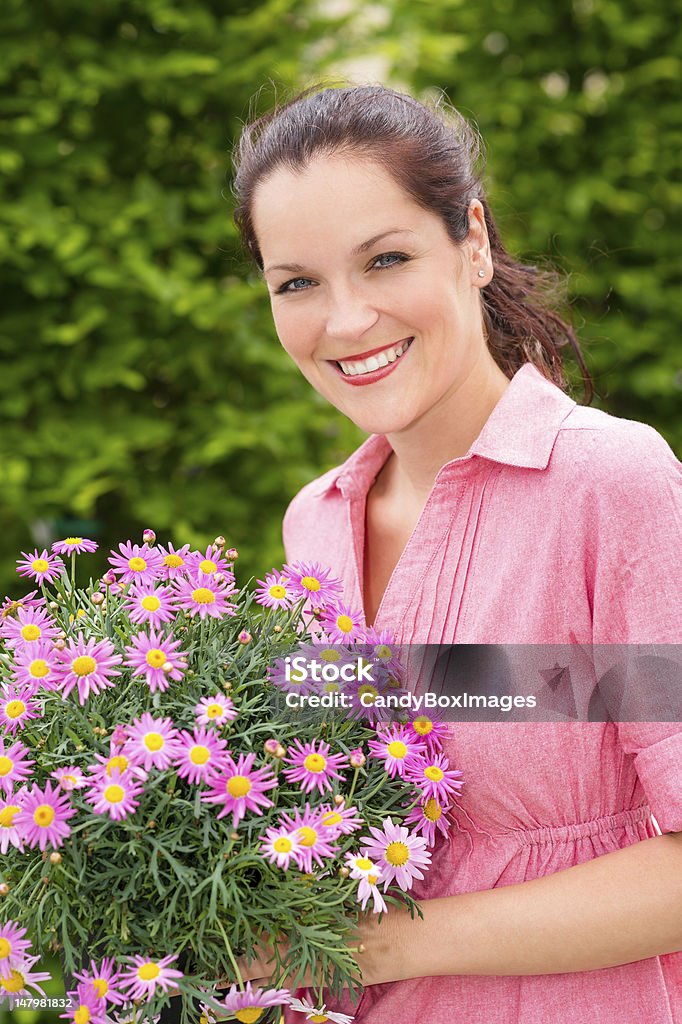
x,y
350,315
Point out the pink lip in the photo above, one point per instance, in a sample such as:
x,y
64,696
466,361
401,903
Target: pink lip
x,y
373,375
373,351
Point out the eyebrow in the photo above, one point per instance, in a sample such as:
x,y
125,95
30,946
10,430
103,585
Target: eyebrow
x,y
297,268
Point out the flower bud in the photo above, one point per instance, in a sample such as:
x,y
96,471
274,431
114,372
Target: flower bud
x,y
270,746
281,751
55,858
119,735
277,629
54,606
97,598
151,823
234,836
109,578
60,644
244,637
232,554
167,667
357,758
4,889
338,799
344,872
148,537
219,542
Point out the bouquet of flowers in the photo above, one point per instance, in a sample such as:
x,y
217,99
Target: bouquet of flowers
x,y
166,810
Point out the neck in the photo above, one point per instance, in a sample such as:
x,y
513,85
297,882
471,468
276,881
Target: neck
x,y
446,432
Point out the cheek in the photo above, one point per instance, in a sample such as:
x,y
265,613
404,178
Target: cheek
x,y
295,332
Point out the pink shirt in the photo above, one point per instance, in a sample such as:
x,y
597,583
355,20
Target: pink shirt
x,y
560,525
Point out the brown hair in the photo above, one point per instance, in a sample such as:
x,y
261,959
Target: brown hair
x,y
436,156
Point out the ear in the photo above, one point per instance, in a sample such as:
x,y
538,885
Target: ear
x,y
477,241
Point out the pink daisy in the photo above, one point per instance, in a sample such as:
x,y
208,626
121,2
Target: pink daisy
x,y
202,596
279,845
17,708
43,817
215,710
69,778
288,677
104,979
36,665
117,760
363,695
313,766
368,874
22,978
431,729
30,625
273,591
11,607
310,580
40,567
248,1004
400,853
85,1006
209,564
319,1013
115,795
315,840
146,976
393,746
152,742
87,664
427,818
74,546
174,561
156,657
9,833
13,948
431,773
341,624
240,788
339,820
15,766
147,603
136,564
201,755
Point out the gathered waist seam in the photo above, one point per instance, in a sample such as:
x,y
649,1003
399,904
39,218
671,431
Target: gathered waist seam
x,y
584,829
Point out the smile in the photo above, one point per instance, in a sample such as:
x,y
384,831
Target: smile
x,y
368,368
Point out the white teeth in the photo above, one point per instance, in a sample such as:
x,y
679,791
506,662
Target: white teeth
x,y
389,355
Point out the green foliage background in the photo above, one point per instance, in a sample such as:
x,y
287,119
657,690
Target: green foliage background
x,y
142,381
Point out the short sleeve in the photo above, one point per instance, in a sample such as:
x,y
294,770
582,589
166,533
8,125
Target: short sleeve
x,y
657,750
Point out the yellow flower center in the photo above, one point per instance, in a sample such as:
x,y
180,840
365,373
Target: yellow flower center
x,y
214,710
154,741
207,566
40,565
148,971
114,793
331,818
7,815
15,982
397,854
364,863
150,603
82,1015
71,779
345,623
277,591
73,540
137,564
249,1014
155,657
43,815
422,726
39,668
307,835
84,665
118,762
367,689
101,987
310,583
331,688
397,749
202,595
200,754
173,561
30,632
5,949
282,845
15,708
329,654
6,765
315,763
383,652
432,810
434,773
238,786
372,879
319,1018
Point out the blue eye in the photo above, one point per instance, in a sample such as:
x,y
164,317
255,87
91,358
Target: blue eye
x,y
397,257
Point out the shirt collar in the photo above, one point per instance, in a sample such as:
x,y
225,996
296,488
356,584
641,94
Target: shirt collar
x,y
520,431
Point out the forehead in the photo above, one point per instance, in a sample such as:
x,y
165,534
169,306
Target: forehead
x,y
351,197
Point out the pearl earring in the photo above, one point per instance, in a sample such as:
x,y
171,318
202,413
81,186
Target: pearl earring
x,y
481,273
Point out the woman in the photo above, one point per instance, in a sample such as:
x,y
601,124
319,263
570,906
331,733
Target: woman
x,y
485,507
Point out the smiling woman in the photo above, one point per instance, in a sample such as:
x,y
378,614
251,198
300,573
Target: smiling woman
x,y
486,507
